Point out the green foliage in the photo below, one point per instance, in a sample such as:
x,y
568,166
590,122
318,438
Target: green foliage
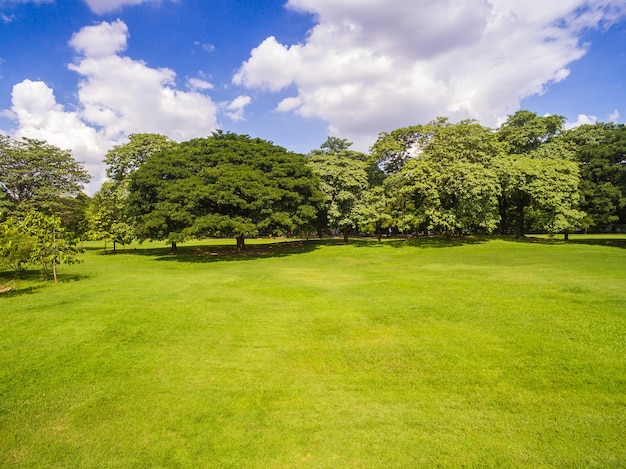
x,y
73,212
600,150
52,244
552,186
538,176
525,131
448,183
109,218
335,145
224,185
373,211
123,160
343,180
392,150
37,176
15,246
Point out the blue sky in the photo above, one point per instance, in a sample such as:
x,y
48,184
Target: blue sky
x,y
84,74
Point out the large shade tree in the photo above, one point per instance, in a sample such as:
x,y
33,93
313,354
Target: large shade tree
x,y
35,175
444,179
223,185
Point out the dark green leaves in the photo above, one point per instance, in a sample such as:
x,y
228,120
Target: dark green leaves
x,y
224,185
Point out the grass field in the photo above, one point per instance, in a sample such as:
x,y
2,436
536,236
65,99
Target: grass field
x,y
469,353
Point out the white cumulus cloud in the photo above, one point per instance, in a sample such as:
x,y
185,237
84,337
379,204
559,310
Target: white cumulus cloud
x,y
235,109
117,96
583,119
101,40
40,116
376,65
199,84
101,7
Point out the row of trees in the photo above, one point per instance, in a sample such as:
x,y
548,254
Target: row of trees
x,y
447,177
530,174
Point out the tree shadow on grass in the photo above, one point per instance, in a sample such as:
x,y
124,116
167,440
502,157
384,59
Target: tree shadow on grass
x,y
15,292
221,253
10,285
203,253
258,249
464,240
614,243
596,241
440,241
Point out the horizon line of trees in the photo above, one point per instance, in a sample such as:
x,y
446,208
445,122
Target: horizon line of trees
x,y
452,178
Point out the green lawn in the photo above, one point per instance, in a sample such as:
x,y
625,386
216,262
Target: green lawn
x,y
470,353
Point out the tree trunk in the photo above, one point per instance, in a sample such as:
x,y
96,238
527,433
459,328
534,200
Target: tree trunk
x,y
504,221
174,249
520,221
114,246
54,259
345,236
566,234
241,243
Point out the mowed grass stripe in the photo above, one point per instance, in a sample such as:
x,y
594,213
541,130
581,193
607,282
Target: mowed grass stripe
x,y
466,353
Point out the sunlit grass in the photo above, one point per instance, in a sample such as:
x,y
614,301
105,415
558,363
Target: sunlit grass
x,y
475,352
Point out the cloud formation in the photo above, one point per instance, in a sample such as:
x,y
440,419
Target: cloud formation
x,y
235,109
583,119
117,96
121,95
101,7
375,65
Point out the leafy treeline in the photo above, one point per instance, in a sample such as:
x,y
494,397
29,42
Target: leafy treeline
x,y
529,174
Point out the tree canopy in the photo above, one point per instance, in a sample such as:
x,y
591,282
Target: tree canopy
x,y
538,177
525,131
530,173
448,180
224,185
109,206
35,175
343,179
123,160
600,150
